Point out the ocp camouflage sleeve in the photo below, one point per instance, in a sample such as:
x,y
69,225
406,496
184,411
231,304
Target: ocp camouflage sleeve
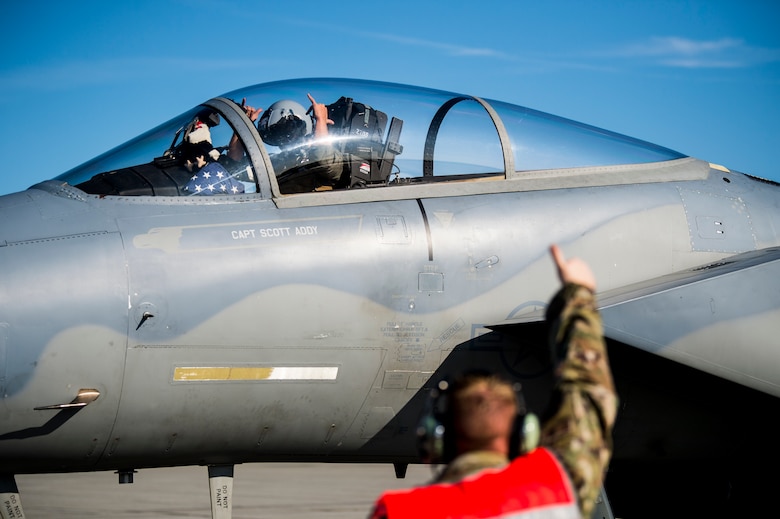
x,y
584,403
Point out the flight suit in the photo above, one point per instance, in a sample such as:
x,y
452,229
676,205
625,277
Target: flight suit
x,y
307,168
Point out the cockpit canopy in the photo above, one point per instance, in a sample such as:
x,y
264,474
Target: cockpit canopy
x,y
378,134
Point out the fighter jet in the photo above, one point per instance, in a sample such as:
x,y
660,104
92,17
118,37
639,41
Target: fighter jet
x,y
238,286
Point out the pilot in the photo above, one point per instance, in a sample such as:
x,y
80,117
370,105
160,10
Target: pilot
x,y
480,426
307,160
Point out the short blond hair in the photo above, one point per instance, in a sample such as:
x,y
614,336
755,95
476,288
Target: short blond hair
x,y
484,407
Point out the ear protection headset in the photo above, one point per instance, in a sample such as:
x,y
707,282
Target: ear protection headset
x,y
436,429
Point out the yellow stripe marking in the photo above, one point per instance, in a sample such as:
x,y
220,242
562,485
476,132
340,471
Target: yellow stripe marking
x,y
235,373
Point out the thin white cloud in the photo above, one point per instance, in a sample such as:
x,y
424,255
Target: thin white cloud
x,y
530,60
701,63
537,61
675,51
668,51
673,45
447,48
453,50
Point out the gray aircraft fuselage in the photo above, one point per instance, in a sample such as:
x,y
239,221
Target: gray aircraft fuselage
x,y
142,326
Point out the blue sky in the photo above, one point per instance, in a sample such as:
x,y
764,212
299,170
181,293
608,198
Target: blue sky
x,y
699,77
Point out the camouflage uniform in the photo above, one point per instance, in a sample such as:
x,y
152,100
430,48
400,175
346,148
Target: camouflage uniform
x,y
471,463
584,405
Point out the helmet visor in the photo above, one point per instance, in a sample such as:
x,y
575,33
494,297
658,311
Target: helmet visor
x,y
286,131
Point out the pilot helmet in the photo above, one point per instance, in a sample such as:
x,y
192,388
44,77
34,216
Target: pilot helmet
x,y
283,123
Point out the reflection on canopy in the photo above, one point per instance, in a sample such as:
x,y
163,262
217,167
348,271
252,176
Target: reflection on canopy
x,y
389,134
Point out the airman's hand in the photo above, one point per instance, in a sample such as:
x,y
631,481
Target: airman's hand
x,y
573,270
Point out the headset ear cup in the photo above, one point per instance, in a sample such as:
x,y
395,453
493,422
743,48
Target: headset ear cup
x,y
432,445
430,439
530,433
526,431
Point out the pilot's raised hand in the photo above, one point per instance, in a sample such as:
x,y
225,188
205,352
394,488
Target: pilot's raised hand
x,y
573,270
320,113
235,146
250,111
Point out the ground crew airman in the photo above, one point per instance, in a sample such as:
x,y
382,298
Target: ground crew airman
x,y
561,478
